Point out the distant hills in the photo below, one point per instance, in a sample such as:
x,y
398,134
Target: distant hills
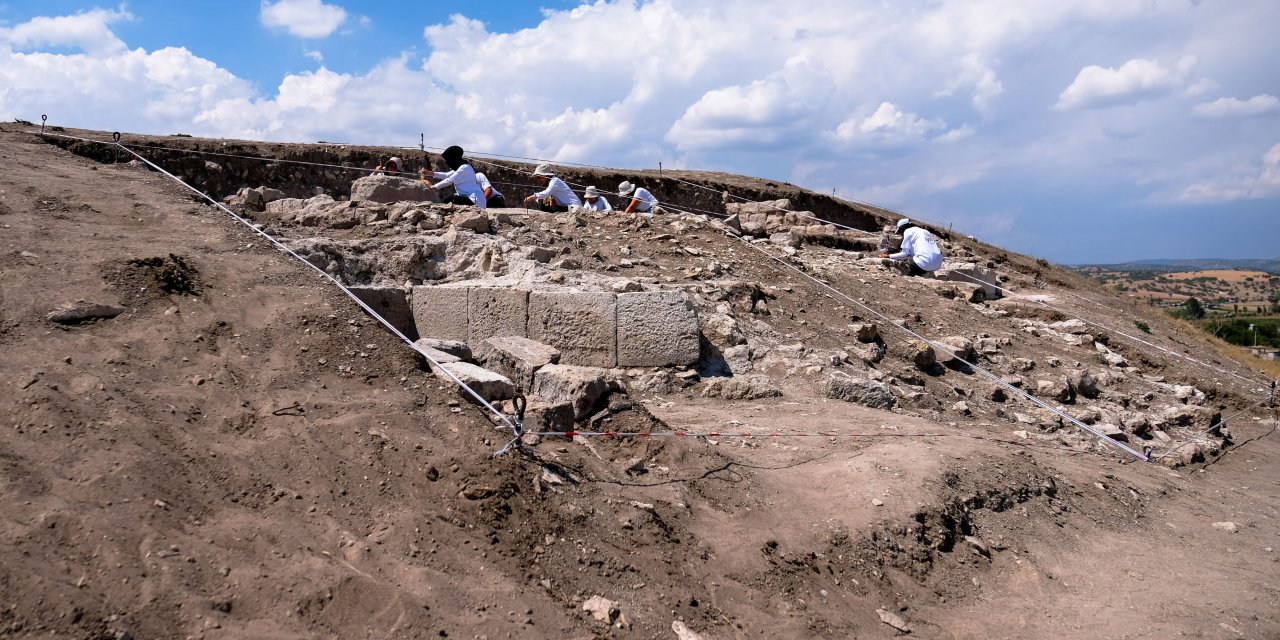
x,y
1271,265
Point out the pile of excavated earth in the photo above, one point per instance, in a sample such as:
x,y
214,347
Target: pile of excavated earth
x,y
204,437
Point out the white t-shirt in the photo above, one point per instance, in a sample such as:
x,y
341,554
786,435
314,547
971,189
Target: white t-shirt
x,y
600,204
463,180
564,196
647,200
483,181
920,246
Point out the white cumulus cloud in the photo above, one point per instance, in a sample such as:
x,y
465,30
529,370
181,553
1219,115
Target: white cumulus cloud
x,y
303,18
1135,80
1261,180
888,125
1226,107
89,31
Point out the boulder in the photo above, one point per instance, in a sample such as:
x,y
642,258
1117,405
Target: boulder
x,y
1136,423
1084,382
866,331
580,387
867,352
921,354
515,357
961,346
1113,432
871,393
740,389
1073,326
767,206
1058,389
476,221
721,329
487,384
541,416
384,188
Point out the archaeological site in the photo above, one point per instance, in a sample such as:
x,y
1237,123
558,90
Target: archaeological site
x,y
252,390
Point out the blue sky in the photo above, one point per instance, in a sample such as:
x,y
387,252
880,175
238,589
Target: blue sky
x,y
1079,131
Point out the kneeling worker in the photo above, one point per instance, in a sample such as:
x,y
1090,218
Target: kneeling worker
x,y
641,200
919,249
556,196
593,201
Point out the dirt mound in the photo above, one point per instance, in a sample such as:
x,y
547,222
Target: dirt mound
x,y
264,460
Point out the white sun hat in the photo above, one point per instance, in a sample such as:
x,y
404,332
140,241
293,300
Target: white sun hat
x,y
626,188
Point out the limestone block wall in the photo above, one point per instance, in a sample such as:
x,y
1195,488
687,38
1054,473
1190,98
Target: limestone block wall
x,y
589,328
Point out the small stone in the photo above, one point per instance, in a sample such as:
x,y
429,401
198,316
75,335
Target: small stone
x,y
1229,527
877,502
893,620
602,609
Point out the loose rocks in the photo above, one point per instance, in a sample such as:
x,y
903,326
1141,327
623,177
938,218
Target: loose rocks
x,y
871,393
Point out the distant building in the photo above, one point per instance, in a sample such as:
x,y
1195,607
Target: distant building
x,y
1266,353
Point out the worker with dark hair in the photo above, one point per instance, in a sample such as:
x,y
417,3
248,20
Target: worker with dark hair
x,y
461,176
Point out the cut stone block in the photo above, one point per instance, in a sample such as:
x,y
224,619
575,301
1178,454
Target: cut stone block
x,y
392,303
515,357
440,357
455,349
496,312
657,329
582,387
489,385
582,325
971,274
441,312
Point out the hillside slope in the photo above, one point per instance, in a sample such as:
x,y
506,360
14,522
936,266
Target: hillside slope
x,y
250,455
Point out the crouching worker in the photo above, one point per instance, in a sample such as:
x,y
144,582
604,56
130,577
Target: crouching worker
x,y
642,201
461,176
556,196
919,249
593,201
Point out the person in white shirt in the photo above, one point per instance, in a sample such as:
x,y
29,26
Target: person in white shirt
x,y
593,201
919,249
641,200
492,196
556,196
462,177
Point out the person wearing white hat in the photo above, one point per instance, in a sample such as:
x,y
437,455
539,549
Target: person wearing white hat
x,y
393,166
919,249
556,196
641,200
592,200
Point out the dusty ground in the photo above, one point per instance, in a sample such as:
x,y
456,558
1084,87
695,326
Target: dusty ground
x,y
257,458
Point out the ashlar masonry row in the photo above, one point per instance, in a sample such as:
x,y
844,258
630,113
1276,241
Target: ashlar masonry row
x,y
590,328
